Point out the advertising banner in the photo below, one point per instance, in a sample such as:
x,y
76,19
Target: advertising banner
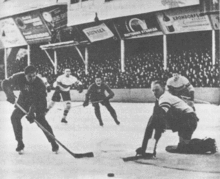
x,y
55,17
215,18
138,26
97,33
32,27
81,12
183,20
10,36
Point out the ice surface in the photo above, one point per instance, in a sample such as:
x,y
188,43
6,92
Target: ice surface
x,y
109,144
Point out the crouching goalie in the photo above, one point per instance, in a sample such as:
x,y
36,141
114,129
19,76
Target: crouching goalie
x,y
170,112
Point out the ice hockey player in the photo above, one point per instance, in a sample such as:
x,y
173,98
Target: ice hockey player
x,y
180,86
170,112
32,98
63,85
95,93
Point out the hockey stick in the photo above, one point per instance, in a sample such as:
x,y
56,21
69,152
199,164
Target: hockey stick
x,y
89,154
196,100
82,104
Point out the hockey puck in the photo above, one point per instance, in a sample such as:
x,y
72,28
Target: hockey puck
x,y
111,174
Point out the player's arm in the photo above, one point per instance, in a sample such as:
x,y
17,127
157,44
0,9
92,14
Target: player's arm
x,y
78,85
153,123
111,94
8,87
190,88
87,96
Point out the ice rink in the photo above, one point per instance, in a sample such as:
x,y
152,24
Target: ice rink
x,y
109,143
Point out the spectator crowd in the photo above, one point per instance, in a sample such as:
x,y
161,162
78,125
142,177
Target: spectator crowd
x,y
141,66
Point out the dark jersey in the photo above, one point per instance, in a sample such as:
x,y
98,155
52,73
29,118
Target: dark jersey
x,y
96,93
30,94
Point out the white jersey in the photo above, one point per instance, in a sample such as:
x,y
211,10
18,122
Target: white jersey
x,y
181,84
167,100
65,83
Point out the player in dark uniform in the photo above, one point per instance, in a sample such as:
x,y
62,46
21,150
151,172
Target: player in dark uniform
x,y
32,98
96,92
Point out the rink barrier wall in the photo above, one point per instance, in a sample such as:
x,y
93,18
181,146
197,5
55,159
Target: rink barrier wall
x,y
142,95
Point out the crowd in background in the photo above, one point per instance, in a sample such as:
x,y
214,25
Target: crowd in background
x,y
143,63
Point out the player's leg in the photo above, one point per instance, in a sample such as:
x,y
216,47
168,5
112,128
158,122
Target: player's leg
x,y
40,117
17,127
98,113
111,111
55,98
186,132
67,100
66,111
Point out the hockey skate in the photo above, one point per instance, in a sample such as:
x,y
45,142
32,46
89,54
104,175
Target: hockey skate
x,y
55,147
64,120
20,147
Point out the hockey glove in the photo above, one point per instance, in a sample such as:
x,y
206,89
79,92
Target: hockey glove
x,y
86,103
11,98
80,88
140,151
31,114
48,89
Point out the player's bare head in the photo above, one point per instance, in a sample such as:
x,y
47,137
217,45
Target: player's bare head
x,y
67,72
176,76
98,79
158,88
30,73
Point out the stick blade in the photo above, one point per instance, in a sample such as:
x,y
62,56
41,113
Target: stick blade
x,y
83,155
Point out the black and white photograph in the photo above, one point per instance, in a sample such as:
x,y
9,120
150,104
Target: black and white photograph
x,y
99,89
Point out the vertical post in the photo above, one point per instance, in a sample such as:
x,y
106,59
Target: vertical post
x,y
86,60
213,47
122,55
28,55
164,52
5,62
55,62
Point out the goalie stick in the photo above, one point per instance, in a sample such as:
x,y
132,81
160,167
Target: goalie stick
x,y
136,157
75,155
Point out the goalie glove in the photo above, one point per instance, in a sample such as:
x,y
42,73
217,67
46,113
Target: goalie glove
x,y
86,103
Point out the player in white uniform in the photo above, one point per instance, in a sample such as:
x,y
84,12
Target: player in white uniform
x,y
63,85
180,86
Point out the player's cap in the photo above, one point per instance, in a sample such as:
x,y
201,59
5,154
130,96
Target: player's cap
x,y
29,69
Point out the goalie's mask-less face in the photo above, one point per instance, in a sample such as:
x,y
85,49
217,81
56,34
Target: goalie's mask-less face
x,y
30,77
98,81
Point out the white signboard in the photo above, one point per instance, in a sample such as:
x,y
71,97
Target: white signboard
x,y
183,20
84,11
10,36
97,33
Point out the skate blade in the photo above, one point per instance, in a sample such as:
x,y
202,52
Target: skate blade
x,y
56,152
